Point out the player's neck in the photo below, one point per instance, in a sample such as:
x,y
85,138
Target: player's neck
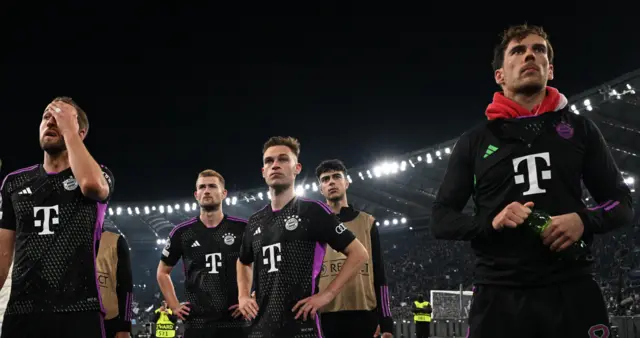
x,y
280,198
211,218
56,163
336,206
526,101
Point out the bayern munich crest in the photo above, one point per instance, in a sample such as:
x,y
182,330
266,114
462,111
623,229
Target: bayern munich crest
x,y
291,223
70,184
229,238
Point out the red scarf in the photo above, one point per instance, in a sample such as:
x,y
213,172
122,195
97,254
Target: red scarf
x,y
504,108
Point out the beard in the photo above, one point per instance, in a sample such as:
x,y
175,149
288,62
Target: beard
x,y
530,87
210,207
53,148
336,198
280,187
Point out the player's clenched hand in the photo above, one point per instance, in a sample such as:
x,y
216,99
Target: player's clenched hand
x,y
236,311
512,215
182,310
311,305
563,231
66,117
248,307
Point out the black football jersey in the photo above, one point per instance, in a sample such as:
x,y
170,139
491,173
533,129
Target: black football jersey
x,y
57,228
209,257
287,248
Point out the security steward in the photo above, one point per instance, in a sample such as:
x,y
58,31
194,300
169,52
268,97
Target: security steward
x,y
165,322
422,317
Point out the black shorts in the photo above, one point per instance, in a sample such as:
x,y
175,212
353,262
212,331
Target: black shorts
x,y
352,324
574,309
215,333
54,325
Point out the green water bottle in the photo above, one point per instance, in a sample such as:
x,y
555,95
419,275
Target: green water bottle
x,y
539,220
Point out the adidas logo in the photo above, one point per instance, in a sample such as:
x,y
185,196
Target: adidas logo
x,y
26,191
490,150
195,244
257,232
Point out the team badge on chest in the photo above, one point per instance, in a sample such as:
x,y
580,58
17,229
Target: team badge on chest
x,y
70,184
291,223
229,238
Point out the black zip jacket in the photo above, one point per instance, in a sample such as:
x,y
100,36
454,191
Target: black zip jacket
x,y
542,159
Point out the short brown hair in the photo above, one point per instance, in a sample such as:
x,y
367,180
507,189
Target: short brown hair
x,y
288,141
518,33
212,173
83,120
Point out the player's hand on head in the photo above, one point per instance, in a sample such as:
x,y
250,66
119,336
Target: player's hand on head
x,y
512,215
248,307
563,231
309,307
66,117
182,310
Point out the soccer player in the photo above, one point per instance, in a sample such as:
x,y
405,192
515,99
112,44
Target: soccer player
x,y
532,152
116,284
286,240
209,246
363,304
52,213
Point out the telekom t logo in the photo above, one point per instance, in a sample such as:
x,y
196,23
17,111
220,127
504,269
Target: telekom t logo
x,y
214,261
49,219
532,169
273,257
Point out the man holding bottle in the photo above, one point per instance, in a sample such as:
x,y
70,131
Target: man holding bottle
x,y
524,168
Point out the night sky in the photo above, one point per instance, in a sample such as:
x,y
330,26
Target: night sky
x,y
171,91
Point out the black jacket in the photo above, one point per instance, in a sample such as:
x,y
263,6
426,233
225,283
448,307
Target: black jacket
x,y
542,159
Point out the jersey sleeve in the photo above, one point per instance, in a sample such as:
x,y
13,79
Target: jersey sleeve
x,y
7,215
327,228
385,320
606,185
246,248
124,288
172,251
448,221
108,176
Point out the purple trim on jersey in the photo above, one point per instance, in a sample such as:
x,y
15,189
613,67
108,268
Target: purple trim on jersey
x,y
17,172
101,210
103,331
318,257
182,225
231,218
324,206
52,173
613,205
605,204
127,310
386,309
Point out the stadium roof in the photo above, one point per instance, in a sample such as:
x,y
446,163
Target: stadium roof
x,y
399,192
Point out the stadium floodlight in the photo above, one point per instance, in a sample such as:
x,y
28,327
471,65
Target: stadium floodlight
x,y
129,211
410,228
169,209
234,200
158,241
194,206
438,153
118,211
187,207
419,158
403,220
227,200
377,223
395,221
369,174
110,211
349,179
629,180
307,186
403,165
177,206
260,195
447,150
299,191
377,171
146,210
386,222
314,186
137,211
161,209
412,165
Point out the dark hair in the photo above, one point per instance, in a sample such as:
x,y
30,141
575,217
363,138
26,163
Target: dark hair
x,y
330,165
83,120
212,173
518,33
288,141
